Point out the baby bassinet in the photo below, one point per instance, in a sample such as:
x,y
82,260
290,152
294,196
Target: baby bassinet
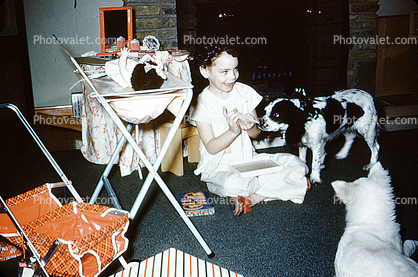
x,y
74,239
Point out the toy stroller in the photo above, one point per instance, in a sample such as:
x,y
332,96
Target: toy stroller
x,y
75,239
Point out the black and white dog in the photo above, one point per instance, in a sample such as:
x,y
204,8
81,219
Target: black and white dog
x,y
310,124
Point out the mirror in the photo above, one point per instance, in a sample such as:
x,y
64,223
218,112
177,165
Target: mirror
x,y
115,22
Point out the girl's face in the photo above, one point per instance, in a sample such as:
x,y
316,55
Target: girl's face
x,y
222,74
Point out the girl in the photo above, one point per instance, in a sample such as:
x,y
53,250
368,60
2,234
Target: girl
x,y
221,117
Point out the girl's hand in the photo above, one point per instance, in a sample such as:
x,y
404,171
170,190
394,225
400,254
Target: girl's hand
x,y
232,120
246,121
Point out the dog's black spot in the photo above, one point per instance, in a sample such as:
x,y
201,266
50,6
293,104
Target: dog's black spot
x,y
281,112
333,114
354,112
287,112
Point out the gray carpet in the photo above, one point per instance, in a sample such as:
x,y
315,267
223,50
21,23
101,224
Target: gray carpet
x,y
275,239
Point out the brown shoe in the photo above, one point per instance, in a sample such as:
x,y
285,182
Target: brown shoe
x,y
309,184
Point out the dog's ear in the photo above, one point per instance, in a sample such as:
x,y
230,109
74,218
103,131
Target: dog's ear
x,y
343,191
283,111
378,173
296,119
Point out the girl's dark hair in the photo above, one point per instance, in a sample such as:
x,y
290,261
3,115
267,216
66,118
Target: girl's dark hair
x,y
205,54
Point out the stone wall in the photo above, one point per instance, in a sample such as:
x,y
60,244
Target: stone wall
x,y
361,68
157,18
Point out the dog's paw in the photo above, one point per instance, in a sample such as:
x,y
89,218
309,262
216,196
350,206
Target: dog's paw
x,y
314,184
315,179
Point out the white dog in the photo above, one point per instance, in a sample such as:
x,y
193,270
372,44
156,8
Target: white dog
x,y
371,244
310,124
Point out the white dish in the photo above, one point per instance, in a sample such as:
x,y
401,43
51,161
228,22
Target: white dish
x,y
256,167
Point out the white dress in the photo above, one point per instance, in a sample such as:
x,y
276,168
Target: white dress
x,y
288,184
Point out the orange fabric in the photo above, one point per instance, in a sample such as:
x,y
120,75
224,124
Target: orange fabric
x,y
27,206
87,233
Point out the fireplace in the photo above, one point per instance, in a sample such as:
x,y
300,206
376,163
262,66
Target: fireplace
x,y
297,50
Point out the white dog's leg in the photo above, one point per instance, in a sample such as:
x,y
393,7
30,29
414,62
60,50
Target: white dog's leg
x,y
349,139
318,157
302,153
409,247
374,149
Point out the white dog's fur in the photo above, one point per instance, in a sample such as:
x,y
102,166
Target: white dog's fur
x,y
371,244
352,111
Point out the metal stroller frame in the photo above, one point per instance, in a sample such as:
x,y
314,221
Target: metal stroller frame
x,y
36,258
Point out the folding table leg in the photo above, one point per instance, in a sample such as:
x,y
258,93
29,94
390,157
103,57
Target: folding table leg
x,y
152,171
175,204
111,193
154,175
144,189
153,168
104,180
